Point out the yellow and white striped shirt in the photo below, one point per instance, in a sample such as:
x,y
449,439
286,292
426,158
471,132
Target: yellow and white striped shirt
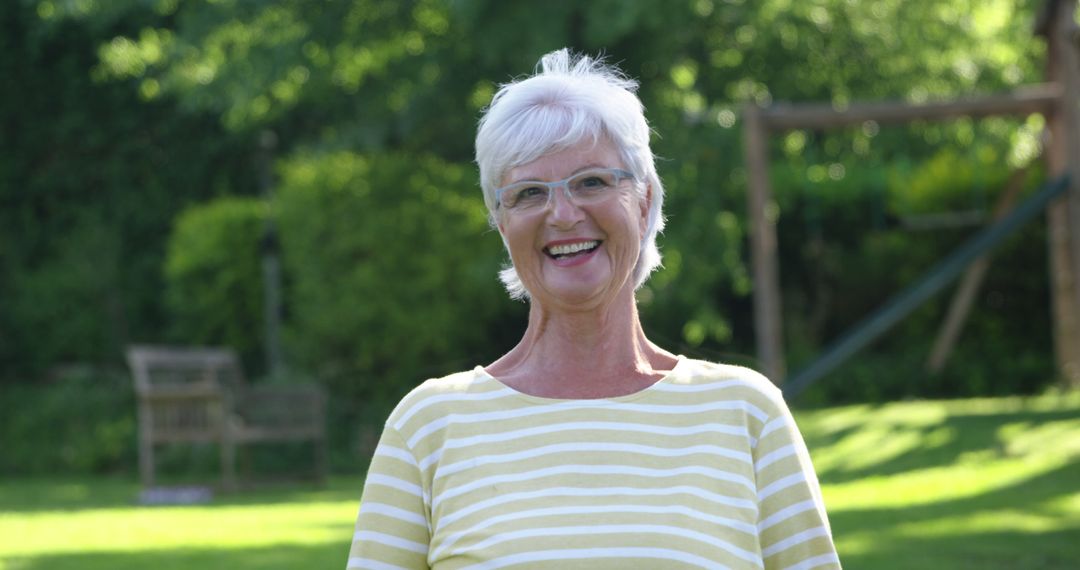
x,y
704,469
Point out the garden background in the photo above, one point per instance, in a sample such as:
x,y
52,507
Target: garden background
x,y
152,151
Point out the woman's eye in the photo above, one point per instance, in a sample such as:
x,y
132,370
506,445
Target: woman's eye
x,y
531,192
594,182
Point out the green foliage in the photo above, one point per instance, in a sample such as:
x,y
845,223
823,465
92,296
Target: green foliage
x,y
66,301
213,271
159,100
90,179
393,272
1003,346
83,421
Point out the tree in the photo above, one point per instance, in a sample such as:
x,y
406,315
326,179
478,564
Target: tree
x,y
90,179
409,78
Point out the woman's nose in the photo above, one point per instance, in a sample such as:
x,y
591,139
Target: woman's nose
x,y
562,205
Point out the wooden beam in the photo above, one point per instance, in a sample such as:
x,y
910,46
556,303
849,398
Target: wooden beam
x,y
1063,307
1044,18
1041,98
763,247
1063,217
964,297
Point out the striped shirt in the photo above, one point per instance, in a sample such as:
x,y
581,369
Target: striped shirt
x,y
703,469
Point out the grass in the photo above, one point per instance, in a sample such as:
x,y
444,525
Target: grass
x,y
95,524
987,484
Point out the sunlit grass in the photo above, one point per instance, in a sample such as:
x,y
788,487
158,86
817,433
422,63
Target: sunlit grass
x,y
126,530
71,525
987,483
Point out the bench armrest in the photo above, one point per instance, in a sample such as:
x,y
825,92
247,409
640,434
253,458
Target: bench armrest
x,y
173,393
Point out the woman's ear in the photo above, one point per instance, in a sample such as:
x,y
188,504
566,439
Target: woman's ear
x,y
644,205
495,222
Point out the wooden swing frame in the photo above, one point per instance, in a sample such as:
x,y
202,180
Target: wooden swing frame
x,y
1056,100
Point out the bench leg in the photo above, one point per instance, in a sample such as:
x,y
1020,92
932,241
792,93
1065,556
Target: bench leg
x,y
146,462
228,464
322,460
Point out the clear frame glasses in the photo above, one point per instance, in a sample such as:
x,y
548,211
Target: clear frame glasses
x,y
586,187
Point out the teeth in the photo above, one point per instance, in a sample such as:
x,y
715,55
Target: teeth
x,y
568,248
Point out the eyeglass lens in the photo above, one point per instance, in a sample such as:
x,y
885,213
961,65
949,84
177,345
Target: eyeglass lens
x,y
584,187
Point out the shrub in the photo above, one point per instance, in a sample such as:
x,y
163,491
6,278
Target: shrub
x,y
82,421
839,266
214,278
392,269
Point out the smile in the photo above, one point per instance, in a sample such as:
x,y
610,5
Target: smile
x,y
565,250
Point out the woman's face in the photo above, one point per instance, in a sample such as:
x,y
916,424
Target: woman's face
x,y
570,255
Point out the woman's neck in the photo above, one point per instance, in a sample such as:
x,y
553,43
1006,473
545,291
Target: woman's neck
x,y
588,354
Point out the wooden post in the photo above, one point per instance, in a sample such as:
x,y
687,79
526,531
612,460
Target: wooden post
x,y
1063,216
146,445
964,297
763,247
271,262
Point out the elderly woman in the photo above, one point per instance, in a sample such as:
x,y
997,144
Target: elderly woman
x,y
586,446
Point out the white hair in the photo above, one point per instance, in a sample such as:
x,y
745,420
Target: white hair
x,y
570,98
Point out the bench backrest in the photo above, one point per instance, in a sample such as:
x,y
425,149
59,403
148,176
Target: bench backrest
x,y
184,394
157,368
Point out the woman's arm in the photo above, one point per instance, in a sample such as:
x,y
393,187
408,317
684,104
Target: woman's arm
x,y
393,528
793,528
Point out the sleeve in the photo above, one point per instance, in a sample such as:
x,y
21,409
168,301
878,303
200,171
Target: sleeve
x,y
392,529
792,524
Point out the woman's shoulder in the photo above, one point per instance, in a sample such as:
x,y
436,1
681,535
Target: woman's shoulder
x,y
737,382
703,371
432,396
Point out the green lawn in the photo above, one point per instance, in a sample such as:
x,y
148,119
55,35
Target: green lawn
x,y
981,484
96,525
986,484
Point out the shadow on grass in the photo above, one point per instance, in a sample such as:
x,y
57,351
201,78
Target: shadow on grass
x,y
328,555
1026,521
971,551
938,444
982,549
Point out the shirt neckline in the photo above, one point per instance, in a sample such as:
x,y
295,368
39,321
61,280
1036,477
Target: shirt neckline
x,y
665,379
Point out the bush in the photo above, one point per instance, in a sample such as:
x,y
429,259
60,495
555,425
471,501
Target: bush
x,y
82,421
390,273
393,274
90,177
213,272
840,265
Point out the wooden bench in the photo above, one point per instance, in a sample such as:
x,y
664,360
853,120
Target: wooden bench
x,y
199,395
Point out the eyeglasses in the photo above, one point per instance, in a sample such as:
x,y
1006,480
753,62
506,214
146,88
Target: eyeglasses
x,y
583,188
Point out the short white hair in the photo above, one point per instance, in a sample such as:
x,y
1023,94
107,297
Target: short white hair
x,y
570,98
